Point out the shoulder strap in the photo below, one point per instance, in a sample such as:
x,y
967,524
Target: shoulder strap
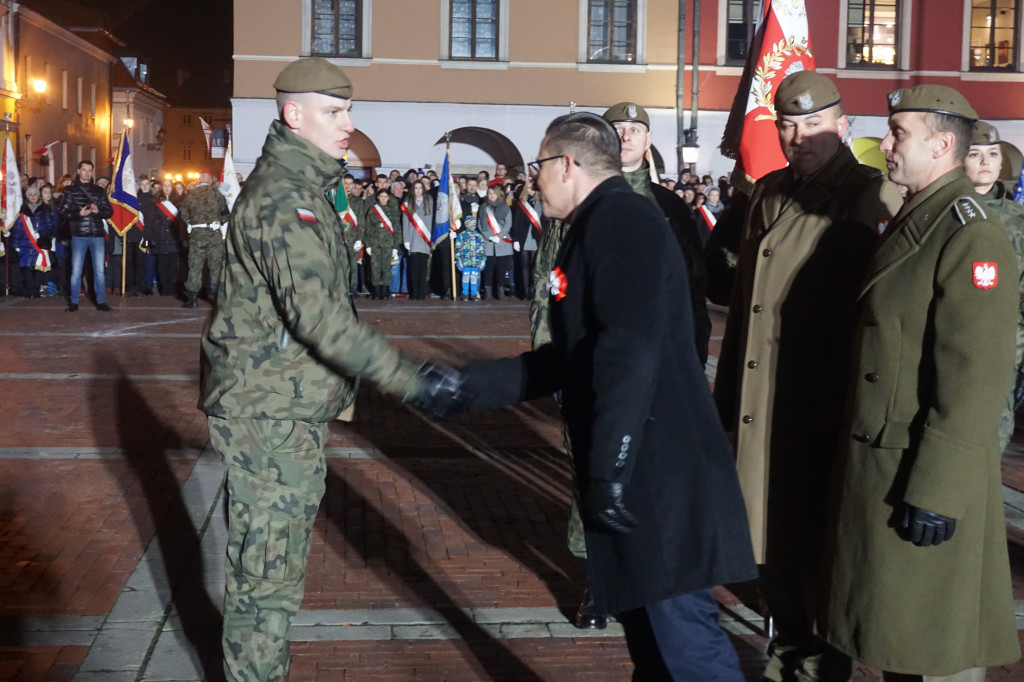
x,y
967,209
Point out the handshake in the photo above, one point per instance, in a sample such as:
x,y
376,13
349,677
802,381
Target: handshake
x,y
443,394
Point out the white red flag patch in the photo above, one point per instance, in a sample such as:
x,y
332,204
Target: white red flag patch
x,y
305,215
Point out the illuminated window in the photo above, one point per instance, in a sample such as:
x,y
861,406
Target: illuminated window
x,y
611,35
474,29
337,28
871,30
739,30
994,34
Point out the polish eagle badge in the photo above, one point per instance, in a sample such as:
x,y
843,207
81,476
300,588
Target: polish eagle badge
x,y
986,274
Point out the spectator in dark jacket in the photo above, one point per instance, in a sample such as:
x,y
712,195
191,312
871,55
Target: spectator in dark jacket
x,y
31,236
159,212
85,206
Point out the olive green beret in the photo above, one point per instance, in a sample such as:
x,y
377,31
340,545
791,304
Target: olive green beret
x,y
932,98
805,92
985,133
628,111
314,74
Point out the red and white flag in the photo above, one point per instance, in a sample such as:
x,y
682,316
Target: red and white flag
x,y
207,133
229,186
12,187
781,46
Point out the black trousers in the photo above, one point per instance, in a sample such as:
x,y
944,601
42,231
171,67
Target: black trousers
x,y
417,275
523,263
493,276
167,273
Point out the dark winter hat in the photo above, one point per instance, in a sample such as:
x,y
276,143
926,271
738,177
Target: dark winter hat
x,y
985,133
932,98
805,92
314,74
628,111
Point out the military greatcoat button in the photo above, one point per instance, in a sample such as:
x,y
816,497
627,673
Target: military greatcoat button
x,y
873,377
767,252
757,309
861,437
747,419
752,364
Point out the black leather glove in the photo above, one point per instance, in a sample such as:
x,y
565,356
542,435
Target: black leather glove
x,y
603,503
925,528
442,394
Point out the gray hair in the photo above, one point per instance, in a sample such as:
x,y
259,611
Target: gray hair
x,y
589,139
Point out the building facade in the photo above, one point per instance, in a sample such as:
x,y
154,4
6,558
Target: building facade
x,y
493,73
138,109
185,148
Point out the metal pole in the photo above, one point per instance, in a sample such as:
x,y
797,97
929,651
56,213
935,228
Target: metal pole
x,y
680,73
693,73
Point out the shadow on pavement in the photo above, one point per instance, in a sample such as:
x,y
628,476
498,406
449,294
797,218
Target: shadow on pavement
x,y
147,443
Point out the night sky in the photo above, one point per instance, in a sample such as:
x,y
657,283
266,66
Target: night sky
x,y
195,35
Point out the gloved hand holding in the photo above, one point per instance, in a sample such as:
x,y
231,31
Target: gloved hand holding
x,y
394,254
602,501
357,246
495,238
515,245
452,234
369,251
442,394
925,528
407,245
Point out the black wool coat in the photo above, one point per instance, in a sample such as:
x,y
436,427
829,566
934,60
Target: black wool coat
x,y
637,405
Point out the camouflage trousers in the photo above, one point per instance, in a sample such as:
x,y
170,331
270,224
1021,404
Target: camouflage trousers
x,y
1007,421
275,480
205,245
575,538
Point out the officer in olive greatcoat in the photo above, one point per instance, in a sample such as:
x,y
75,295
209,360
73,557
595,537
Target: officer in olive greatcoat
x,y
919,577
781,382
982,165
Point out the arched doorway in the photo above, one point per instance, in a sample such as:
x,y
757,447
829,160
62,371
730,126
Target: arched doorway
x,y
363,155
474,148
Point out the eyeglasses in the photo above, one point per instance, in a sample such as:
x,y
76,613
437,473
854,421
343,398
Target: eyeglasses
x,y
534,166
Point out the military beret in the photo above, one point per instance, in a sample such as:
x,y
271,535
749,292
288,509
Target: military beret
x,y
628,111
314,74
985,133
805,92
932,98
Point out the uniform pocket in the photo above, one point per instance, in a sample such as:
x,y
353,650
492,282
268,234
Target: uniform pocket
x,y
267,545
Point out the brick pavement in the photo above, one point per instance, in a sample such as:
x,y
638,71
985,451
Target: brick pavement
x,y
451,537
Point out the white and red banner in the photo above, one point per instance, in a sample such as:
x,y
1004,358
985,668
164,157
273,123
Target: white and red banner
x,y
781,46
417,223
12,187
531,213
207,133
383,217
43,259
229,185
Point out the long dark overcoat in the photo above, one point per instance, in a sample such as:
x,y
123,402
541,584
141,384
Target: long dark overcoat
x,y
636,403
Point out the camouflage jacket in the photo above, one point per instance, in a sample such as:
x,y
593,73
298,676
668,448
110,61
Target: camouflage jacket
x,y
1011,214
376,235
204,205
547,251
284,341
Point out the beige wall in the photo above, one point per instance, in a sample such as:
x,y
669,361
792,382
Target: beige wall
x,y
183,128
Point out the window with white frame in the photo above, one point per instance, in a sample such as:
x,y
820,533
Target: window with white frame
x,y
994,34
741,21
337,29
612,31
872,33
474,30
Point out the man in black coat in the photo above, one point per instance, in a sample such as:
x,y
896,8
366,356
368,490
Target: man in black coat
x,y
663,515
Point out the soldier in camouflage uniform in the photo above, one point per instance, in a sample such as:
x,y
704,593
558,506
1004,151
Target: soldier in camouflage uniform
x,y
982,166
205,213
353,220
382,241
281,355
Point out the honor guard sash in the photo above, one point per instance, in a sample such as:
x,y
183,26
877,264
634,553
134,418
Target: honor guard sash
x,y
43,259
168,209
383,217
709,217
349,217
417,222
531,213
492,223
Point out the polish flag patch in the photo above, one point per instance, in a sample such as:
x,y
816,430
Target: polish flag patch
x,y
558,283
305,215
986,274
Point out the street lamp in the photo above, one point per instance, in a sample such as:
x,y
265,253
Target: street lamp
x,y
129,122
39,85
691,150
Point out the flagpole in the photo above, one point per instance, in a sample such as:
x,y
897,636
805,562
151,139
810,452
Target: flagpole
x,y
7,238
451,226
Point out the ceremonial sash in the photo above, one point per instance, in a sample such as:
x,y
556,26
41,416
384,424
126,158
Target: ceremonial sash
x,y
709,217
417,223
350,217
492,223
168,209
531,213
382,216
43,259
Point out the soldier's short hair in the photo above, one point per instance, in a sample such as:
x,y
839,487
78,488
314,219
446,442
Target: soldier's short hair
x,y
962,129
591,140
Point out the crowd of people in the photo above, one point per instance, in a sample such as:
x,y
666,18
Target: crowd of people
x,y
495,242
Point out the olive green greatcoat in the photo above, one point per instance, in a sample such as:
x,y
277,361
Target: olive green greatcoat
x,y
933,353
781,380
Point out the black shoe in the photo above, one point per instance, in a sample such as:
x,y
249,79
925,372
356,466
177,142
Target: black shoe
x,y
190,301
103,307
586,618
72,308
